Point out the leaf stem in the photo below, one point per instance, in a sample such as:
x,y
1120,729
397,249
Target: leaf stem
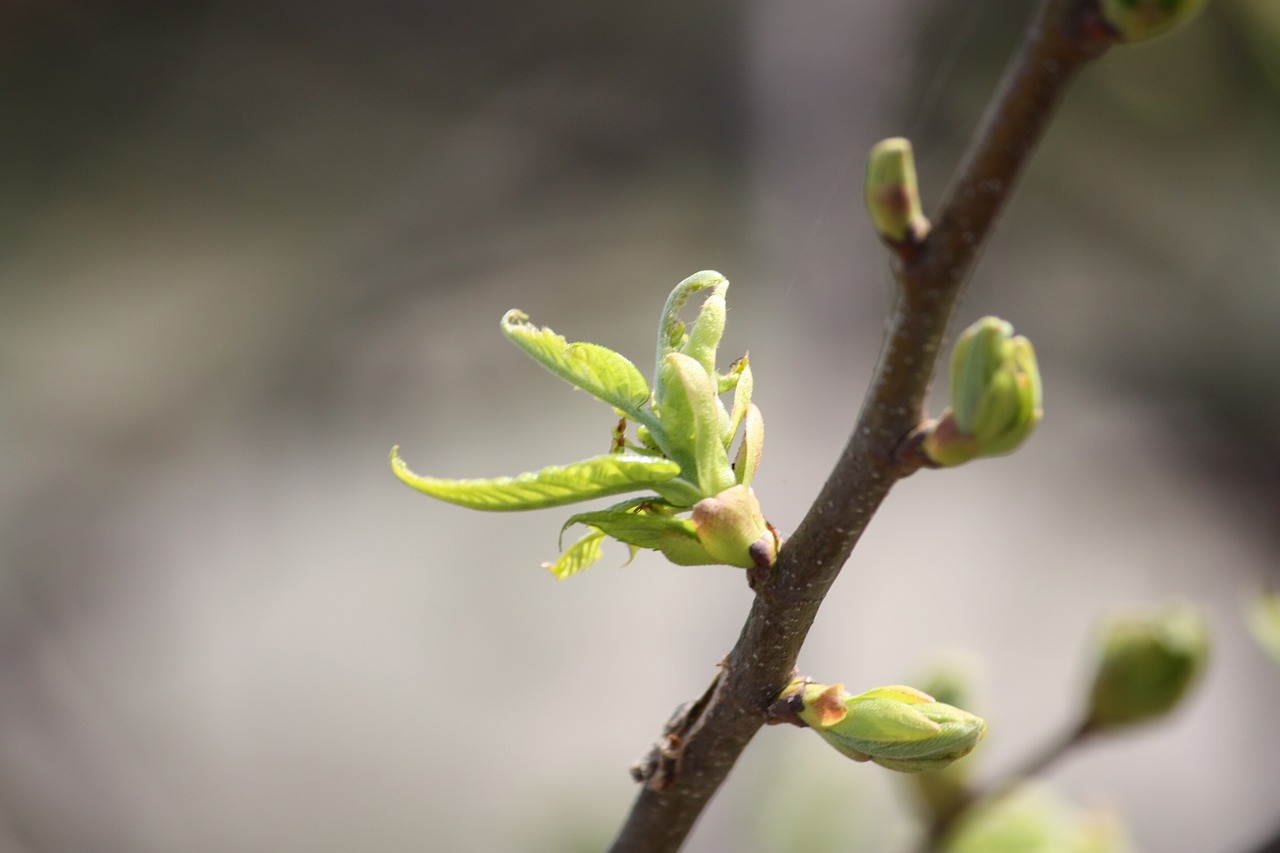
x,y
1062,37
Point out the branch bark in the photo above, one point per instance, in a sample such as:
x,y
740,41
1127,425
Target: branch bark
x,y
1062,37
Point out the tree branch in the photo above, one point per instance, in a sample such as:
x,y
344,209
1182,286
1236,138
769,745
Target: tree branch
x,y
1062,37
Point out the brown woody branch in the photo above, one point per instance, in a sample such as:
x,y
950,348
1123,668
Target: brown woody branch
x,y
702,746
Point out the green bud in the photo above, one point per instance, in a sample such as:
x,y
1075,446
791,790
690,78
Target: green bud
x,y
730,523
897,727
996,397
891,192
1139,20
1030,818
1146,664
1263,620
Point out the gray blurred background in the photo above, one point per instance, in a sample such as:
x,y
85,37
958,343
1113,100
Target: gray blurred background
x,y
246,247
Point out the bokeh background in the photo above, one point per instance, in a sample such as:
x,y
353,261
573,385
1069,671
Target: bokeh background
x,y
246,247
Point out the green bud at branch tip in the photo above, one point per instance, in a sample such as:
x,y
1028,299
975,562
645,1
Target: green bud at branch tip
x,y
1147,663
1141,20
891,193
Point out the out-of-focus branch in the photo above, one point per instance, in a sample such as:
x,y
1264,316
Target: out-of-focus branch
x,y
1034,766
702,745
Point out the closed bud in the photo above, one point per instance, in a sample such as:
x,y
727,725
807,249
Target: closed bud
x,y
1146,664
732,529
897,727
891,192
1139,20
996,396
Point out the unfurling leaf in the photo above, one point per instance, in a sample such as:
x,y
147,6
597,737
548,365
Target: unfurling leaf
x,y
601,372
680,454
600,476
704,337
671,329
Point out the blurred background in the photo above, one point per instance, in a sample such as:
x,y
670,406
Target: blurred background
x,y
247,247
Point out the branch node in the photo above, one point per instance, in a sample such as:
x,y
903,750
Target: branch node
x,y
785,710
763,553
661,768
910,456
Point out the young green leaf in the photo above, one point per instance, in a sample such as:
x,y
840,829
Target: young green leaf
x,y
578,556
751,447
699,410
743,384
679,492
601,372
600,476
704,338
671,329
648,504
643,530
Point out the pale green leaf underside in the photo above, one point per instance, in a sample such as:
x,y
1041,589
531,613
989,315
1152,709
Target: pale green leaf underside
x,y
601,372
698,412
578,556
742,384
752,446
648,504
600,476
639,530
